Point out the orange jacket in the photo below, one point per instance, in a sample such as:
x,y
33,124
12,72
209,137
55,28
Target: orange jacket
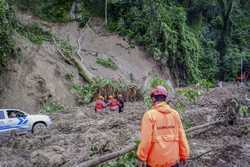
x,y
114,104
163,140
99,105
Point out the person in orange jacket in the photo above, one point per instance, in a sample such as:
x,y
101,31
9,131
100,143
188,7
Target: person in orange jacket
x,y
100,104
113,104
163,140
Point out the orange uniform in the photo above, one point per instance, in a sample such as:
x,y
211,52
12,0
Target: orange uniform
x,y
163,140
114,104
100,105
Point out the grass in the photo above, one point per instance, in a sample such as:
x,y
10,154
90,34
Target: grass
x,y
34,33
52,107
107,62
191,94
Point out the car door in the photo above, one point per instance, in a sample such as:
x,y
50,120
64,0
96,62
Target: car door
x,y
16,121
3,125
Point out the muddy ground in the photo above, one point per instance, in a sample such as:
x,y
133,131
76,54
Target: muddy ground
x,y
79,134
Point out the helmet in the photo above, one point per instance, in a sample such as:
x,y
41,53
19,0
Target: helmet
x,y
159,91
100,97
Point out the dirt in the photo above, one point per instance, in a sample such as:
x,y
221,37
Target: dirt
x,y
80,134
93,41
77,135
39,74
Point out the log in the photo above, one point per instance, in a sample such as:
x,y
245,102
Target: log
x,y
83,71
108,157
203,126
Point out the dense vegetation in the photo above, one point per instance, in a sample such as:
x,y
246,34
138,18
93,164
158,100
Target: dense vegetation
x,y
196,39
6,33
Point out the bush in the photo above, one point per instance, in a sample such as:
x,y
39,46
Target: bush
x,y
191,94
34,33
104,87
244,111
206,84
107,62
7,43
51,10
86,92
51,107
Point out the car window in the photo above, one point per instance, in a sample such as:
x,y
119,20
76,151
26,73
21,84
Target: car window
x,y
11,113
20,114
2,115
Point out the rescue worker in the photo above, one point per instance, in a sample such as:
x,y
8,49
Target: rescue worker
x,y
100,104
113,104
121,103
163,140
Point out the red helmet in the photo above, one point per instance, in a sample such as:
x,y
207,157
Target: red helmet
x,y
159,91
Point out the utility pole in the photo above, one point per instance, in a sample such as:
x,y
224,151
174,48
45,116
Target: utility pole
x,y
241,69
106,12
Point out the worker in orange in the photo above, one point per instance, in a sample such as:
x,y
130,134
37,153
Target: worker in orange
x,y
113,104
163,140
100,104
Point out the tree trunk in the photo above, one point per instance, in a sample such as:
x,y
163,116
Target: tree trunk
x,y
226,8
106,12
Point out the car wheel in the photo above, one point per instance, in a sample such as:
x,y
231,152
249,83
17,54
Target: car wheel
x,y
39,128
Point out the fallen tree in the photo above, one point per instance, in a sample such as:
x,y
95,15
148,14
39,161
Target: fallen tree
x,y
83,71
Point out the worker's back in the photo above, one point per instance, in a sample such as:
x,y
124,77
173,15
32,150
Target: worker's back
x,y
161,126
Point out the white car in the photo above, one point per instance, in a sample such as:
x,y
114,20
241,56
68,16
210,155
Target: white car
x,y
19,122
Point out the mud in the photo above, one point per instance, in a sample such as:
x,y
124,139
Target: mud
x,y
79,134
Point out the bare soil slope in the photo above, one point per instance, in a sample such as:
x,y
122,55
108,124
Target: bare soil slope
x,y
40,74
94,41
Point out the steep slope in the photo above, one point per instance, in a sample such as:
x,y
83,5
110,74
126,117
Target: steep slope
x,y
93,41
40,75
42,72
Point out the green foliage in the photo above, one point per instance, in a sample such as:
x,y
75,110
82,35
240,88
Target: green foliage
x,y
51,10
7,43
191,94
187,123
127,160
164,33
66,47
88,91
34,33
107,62
244,111
51,107
69,76
180,107
156,81
206,84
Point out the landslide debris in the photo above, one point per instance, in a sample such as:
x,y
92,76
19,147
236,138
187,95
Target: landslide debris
x,y
80,134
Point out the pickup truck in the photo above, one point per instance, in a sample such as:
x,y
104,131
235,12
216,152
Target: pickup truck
x,y
19,122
